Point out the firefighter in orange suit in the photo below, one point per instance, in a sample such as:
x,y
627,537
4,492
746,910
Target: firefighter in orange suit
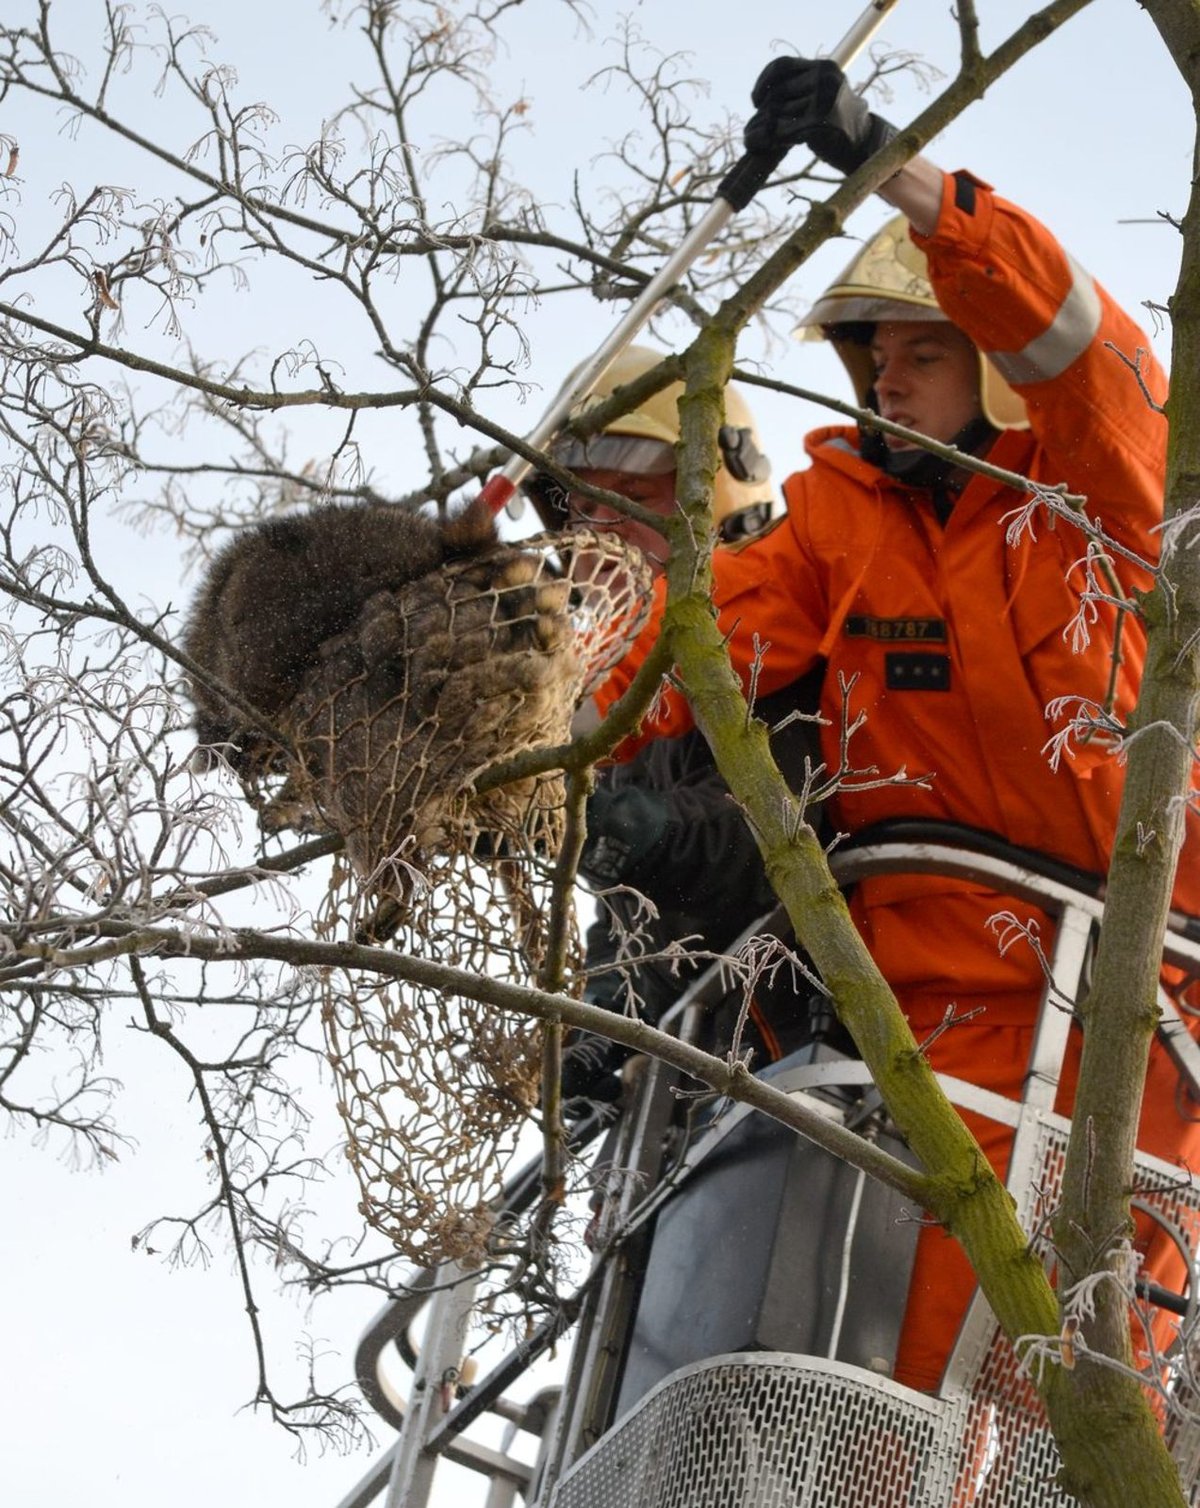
x,y
966,321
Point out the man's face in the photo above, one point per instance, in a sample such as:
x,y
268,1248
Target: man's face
x,y
926,378
653,492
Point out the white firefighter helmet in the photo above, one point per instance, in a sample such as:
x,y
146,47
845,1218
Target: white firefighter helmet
x,y
642,443
888,281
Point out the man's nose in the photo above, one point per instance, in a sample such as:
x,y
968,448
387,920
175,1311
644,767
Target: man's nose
x,y
889,377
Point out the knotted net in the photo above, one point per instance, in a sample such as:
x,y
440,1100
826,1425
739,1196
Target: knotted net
x,y
435,682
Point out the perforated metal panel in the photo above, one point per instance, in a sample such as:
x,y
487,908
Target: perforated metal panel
x,y
762,1429
768,1430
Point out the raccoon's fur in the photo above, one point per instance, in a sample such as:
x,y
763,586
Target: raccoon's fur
x,y
283,588
391,659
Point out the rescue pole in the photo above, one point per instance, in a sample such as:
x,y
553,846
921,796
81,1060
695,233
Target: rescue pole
x,y
734,192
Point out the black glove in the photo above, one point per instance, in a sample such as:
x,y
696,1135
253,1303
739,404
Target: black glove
x,y
622,828
805,101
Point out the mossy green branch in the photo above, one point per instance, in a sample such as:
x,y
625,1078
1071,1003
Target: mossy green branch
x,y
1120,1012
964,1193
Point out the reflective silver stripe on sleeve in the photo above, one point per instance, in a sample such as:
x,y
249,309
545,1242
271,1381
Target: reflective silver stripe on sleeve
x,y
1071,332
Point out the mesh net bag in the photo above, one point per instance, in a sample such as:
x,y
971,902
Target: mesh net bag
x,y
435,682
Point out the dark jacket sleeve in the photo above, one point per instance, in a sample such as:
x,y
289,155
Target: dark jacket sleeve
x,y
666,825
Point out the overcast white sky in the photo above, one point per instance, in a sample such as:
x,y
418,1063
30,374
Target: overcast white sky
x,y
122,1381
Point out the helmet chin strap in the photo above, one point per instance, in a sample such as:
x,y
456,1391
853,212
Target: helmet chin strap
x,y
921,468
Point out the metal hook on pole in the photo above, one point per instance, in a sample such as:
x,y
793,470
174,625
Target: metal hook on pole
x,y
734,192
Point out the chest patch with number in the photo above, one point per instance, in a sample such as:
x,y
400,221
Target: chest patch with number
x,y
891,630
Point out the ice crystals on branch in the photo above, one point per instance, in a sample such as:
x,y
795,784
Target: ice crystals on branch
x,y
820,783
1020,521
1009,930
1079,1303
1059,503
1088,721
1093,594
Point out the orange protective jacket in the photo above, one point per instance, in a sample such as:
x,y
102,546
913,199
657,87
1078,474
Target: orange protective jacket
x,y
956,639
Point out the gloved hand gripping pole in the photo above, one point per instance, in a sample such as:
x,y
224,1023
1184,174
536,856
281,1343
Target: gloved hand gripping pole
x,y
734,192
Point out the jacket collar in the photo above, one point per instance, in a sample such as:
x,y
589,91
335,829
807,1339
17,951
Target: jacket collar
x,y
836,445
